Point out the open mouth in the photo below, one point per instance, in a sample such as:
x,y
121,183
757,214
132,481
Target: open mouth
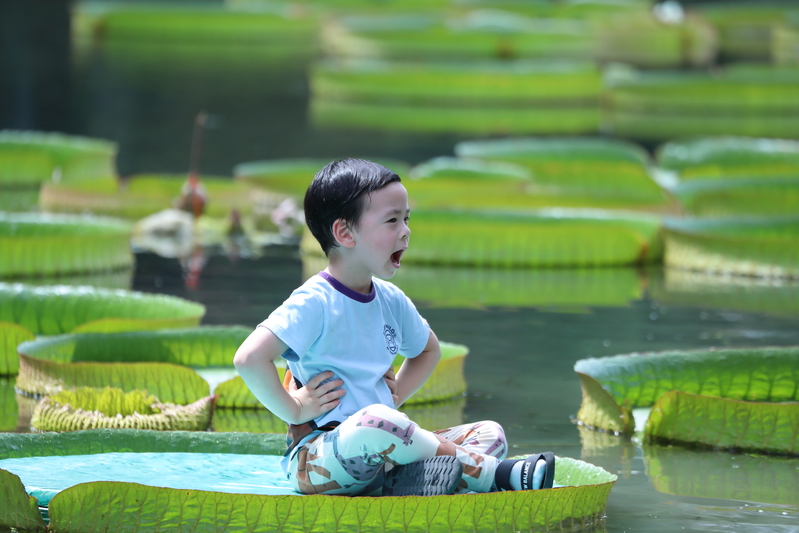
x,y
395,258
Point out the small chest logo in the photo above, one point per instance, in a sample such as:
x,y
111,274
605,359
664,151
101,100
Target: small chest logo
x,y
391,339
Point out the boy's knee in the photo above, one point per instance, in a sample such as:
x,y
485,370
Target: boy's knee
x,y
378,410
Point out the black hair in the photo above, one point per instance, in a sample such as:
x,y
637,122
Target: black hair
x,y
337,192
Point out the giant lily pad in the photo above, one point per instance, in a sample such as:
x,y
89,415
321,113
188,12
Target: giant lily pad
x,y
544,238
728,156
763,247
478,34
458,84
741,196
291,177
88,408
34,244
447,182
158,361
50,310
9,414
589,167
755,102
472,120
551,288
29,158
726,398
126,506
144,195
445,383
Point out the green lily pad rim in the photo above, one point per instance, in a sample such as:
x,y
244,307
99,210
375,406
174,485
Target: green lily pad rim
x,y
477,168
705,226
718,145
517,66
10,139
256,169
699,184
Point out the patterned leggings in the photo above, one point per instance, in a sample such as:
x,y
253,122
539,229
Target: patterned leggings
x,y
347,459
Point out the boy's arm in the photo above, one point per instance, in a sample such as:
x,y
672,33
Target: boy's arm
x,y
255,362
414,372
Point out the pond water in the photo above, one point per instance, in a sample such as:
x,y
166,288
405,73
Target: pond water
x,y
519,370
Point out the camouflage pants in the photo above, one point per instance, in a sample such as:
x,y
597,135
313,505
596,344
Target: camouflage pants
x,y
347,459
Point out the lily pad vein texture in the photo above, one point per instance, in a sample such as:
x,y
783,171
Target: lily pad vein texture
x,y
727,398
103,506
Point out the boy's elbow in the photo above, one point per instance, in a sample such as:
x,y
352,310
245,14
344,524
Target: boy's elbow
x,y
241,359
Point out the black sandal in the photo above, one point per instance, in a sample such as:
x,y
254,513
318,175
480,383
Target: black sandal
x,y
436,476
529,468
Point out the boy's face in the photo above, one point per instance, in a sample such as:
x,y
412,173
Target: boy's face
x,y
382,233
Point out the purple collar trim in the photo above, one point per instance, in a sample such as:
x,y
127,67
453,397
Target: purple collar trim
x,y
346,291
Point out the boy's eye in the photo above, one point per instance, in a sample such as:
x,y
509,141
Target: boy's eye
x,y
407,219
392,220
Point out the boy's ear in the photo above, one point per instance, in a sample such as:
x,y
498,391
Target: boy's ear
x,y
343,233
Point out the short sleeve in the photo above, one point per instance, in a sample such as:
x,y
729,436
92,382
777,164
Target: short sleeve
x,y
298,322
415,330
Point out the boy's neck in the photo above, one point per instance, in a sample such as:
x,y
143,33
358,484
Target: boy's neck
x,y
354,279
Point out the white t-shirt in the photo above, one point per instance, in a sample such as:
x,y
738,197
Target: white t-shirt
x,y
328,326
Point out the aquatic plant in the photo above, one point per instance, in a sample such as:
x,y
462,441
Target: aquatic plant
x,y
90,408
450,182
51,310
291,177
719,398
607,170
729,157
30,158
761,246
746,30
756,101
142,195
740,196
542,238
35,244
164,363
127,507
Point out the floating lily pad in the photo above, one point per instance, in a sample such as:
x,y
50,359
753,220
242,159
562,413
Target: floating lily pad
x,y
726,398
51,310
445,383
142,195
90,408
730,157
755,102
770,196
17,509
581,166
544,238
762,247
9,415
29,158
292,176
458,85
475,120
549,288
125,506
35,244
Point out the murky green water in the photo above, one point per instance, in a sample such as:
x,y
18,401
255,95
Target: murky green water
x,y
520,372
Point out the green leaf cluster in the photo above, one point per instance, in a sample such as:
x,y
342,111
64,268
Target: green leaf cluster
x,y
723,398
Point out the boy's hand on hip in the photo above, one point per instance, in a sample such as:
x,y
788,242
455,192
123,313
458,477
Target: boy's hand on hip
x,y
316,398
391,381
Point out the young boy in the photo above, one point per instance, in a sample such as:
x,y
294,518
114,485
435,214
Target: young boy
x,y
339,333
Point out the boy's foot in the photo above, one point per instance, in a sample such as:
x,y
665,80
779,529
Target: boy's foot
x,y
535,472
432,477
